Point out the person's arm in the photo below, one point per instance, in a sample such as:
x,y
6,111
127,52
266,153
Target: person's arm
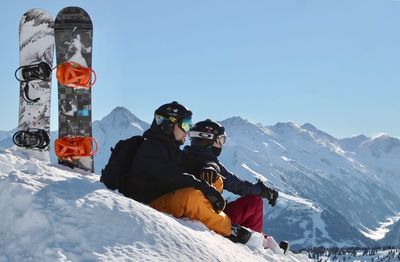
x,y
234,184
240,187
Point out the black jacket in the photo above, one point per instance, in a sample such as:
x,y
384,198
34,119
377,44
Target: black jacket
x,y
156,169
196,156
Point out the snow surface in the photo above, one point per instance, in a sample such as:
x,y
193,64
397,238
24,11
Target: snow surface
x,y
381,231
50,213
314,172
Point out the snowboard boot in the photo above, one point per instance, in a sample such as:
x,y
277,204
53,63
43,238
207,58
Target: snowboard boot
x,y
270,243
284,245
239,234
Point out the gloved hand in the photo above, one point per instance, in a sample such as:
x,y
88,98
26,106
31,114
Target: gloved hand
x,y
268,193
209,173
213,195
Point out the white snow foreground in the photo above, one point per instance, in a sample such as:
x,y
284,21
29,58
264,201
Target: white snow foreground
x,y
50,213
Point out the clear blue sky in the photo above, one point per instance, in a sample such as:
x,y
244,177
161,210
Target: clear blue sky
x,y
335,64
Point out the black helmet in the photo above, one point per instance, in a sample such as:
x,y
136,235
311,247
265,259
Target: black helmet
x,y
207,132
167,115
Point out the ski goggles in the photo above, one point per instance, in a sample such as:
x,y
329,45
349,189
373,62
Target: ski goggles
x,y
185,124
219,139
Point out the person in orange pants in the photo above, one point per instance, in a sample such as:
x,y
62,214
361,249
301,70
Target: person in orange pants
x,y
190,202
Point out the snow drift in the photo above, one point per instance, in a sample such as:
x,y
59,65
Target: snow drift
x,y
52,213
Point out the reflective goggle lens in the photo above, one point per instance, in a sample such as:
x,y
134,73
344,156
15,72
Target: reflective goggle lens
x,y
221,140
186,124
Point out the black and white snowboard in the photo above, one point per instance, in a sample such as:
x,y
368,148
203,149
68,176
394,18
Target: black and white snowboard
x,y
36,49
73,32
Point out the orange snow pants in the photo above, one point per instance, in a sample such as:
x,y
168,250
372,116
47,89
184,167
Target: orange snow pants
x,y
190,202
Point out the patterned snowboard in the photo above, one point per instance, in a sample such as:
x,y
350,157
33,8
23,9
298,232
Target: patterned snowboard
x,y
73,31
36,44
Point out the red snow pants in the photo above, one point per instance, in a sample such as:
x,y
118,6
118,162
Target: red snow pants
x,y
246,211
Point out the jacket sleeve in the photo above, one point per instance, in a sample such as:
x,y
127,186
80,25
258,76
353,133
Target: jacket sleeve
x,y
234,184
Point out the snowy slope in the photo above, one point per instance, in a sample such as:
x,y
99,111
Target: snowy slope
x,y
50,213
311,225
326,184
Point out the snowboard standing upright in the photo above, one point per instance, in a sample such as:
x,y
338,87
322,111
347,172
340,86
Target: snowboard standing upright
x,y
73,31
36,45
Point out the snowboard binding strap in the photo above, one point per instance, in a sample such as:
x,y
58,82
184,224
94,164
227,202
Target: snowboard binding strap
x,y
26,94
74,75
39,71
73,148
32,138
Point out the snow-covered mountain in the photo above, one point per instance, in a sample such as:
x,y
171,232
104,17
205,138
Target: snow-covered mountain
x,y
3,134
333,192
305,162
380,154
6,138
49,213
119,124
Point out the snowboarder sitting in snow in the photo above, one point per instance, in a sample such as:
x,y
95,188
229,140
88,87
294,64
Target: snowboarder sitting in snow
x,y
156,177
201,158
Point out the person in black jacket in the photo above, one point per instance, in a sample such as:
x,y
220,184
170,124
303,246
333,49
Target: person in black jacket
x,y
207,139
157,177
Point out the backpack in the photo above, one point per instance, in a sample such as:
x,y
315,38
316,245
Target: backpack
x,y
115,175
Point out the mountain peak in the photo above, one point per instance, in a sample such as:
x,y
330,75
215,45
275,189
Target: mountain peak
x,y
360,137
236,121
384,139
309,127
121,116
313,129
381,137
281,127
120,120
291,124
122,111
352,143
382,142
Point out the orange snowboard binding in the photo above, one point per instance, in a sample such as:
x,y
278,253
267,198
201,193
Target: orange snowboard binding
x,y
73,148
74,75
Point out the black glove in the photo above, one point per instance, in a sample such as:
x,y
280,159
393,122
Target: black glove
x,y
213,195
209,173
268,193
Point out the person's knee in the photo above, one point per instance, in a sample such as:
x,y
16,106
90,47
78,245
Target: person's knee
x,y
188,193
254,200
189,196
178,202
